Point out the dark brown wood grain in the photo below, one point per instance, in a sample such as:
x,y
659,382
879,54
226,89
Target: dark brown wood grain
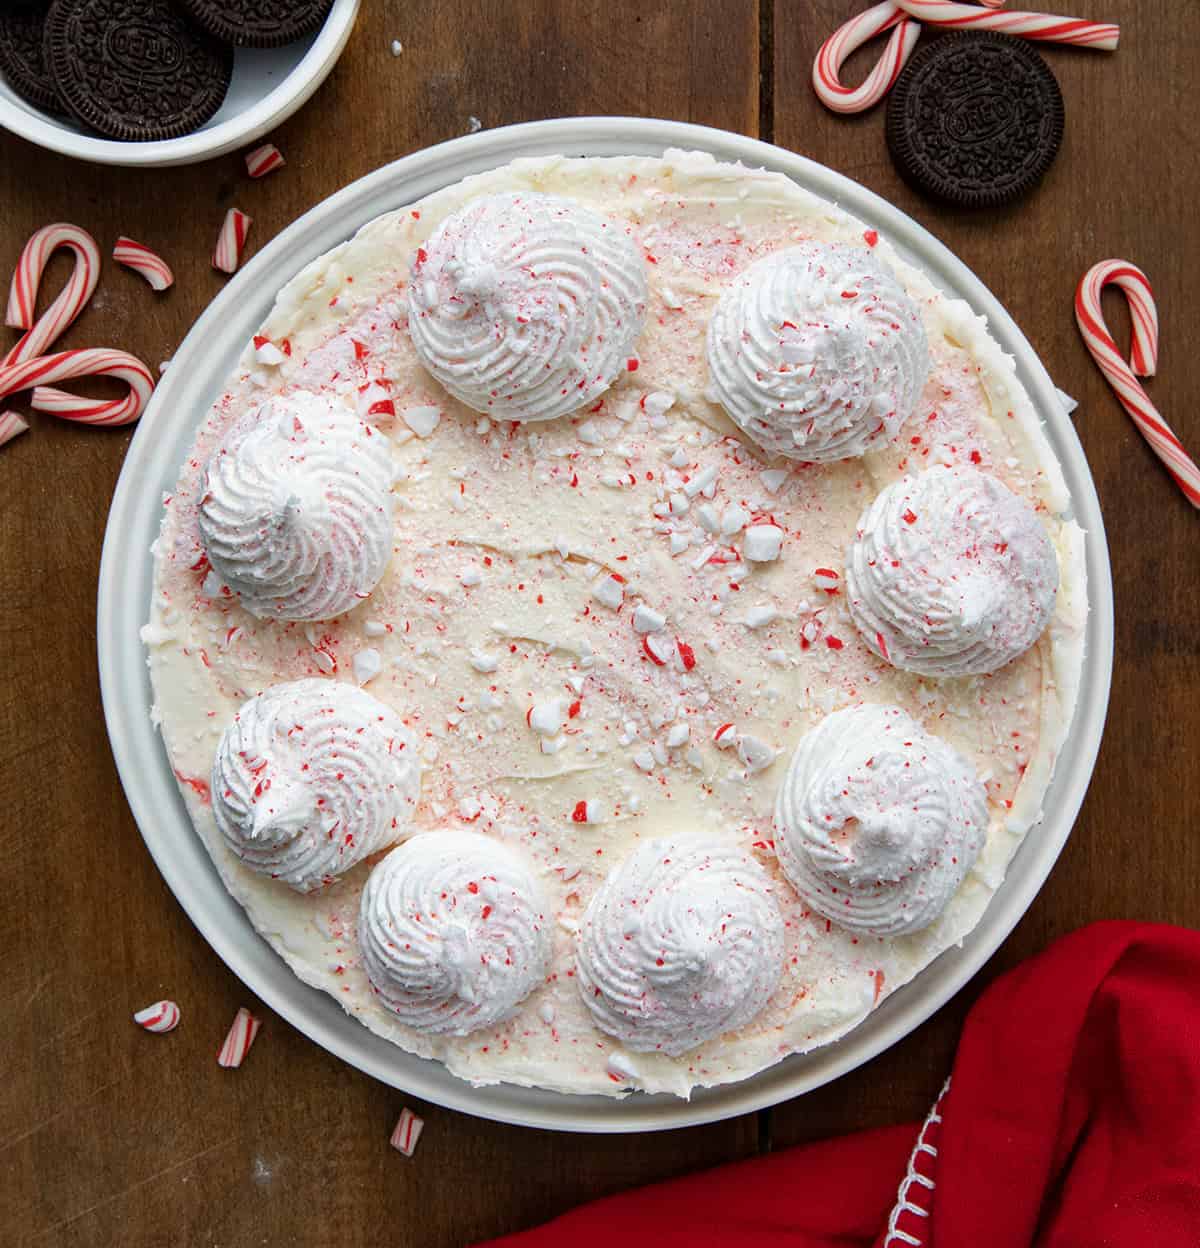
x,y
109,1136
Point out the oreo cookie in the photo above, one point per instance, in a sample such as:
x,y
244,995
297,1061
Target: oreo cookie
x,y
22,64
975,119
259,23
135,70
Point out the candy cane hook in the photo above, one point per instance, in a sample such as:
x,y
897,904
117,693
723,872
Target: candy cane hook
x,y
1122,376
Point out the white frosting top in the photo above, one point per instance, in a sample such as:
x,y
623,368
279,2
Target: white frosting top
x,y
527,306
817,352
296,508
877,822
951,574
454,932
310,778
682,942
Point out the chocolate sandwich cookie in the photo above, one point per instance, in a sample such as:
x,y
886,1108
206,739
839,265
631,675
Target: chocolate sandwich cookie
x,y
22,65
135,69
975,119
259,23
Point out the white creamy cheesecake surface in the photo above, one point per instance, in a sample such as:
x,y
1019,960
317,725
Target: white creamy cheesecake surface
x,y
531,568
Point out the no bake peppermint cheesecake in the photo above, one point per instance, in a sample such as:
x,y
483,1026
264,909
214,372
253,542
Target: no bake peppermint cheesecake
x,y
617,625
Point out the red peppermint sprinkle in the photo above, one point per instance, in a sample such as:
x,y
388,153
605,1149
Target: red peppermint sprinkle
x,y
579,814
871,236
834,643
687,654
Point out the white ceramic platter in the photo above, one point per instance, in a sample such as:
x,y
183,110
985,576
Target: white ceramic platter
x,y
197,376
268,85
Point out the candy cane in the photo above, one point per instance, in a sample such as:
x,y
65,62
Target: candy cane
x,y
148,264
407,1132
263,160
90,362
1103,36
901,17
22,295
161,1017
1143,360
227,254
12,425
238,1041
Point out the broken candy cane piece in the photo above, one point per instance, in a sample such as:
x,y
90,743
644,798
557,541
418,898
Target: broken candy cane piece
x,y
148,264
231,241
238,1041
407,1132
161,1017
263,160
11,425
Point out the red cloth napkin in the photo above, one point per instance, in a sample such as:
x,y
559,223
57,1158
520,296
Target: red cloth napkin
x,y
1072,1120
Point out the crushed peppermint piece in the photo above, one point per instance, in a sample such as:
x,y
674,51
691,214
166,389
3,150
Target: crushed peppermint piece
x,y
646,619
826,579
266,352
760,616
610,592
756,754
658,403
773,479
701,481
324,661
762,543
671,299
724,737
481,661
620,1068
679,504
422,420
679,543
679,458
678,735
367,665
470,577
546,1013
710,521
470,808
733,519
589,433
546,718
585,812
643,760
373,628
660,649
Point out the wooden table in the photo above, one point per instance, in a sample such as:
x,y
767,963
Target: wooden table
x,y
108,1136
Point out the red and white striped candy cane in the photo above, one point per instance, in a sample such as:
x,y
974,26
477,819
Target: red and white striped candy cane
x,y
407,1132
161,1017
1103,36
12,425
901,17
857,31
43,370
148,264
22,295
1143,360
227,254
263,160
238,1041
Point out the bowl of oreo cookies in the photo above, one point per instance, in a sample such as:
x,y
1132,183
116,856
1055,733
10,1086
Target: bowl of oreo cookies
x,y
161,82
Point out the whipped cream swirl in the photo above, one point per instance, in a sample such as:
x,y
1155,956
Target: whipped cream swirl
x,y
527,306
817,352
296,508
454,931
950,574
877,823
682,943
310,778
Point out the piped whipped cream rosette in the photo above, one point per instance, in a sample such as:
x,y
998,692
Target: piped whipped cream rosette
x,y
950,574
310,778
817,352
682,943
877,823
454,931
296,508
527,306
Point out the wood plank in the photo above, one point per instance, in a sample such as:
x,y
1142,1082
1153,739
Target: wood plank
x,y
111,1136
1121,186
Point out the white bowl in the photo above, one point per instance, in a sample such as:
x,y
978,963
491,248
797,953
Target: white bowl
x,y
197,376
268,85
